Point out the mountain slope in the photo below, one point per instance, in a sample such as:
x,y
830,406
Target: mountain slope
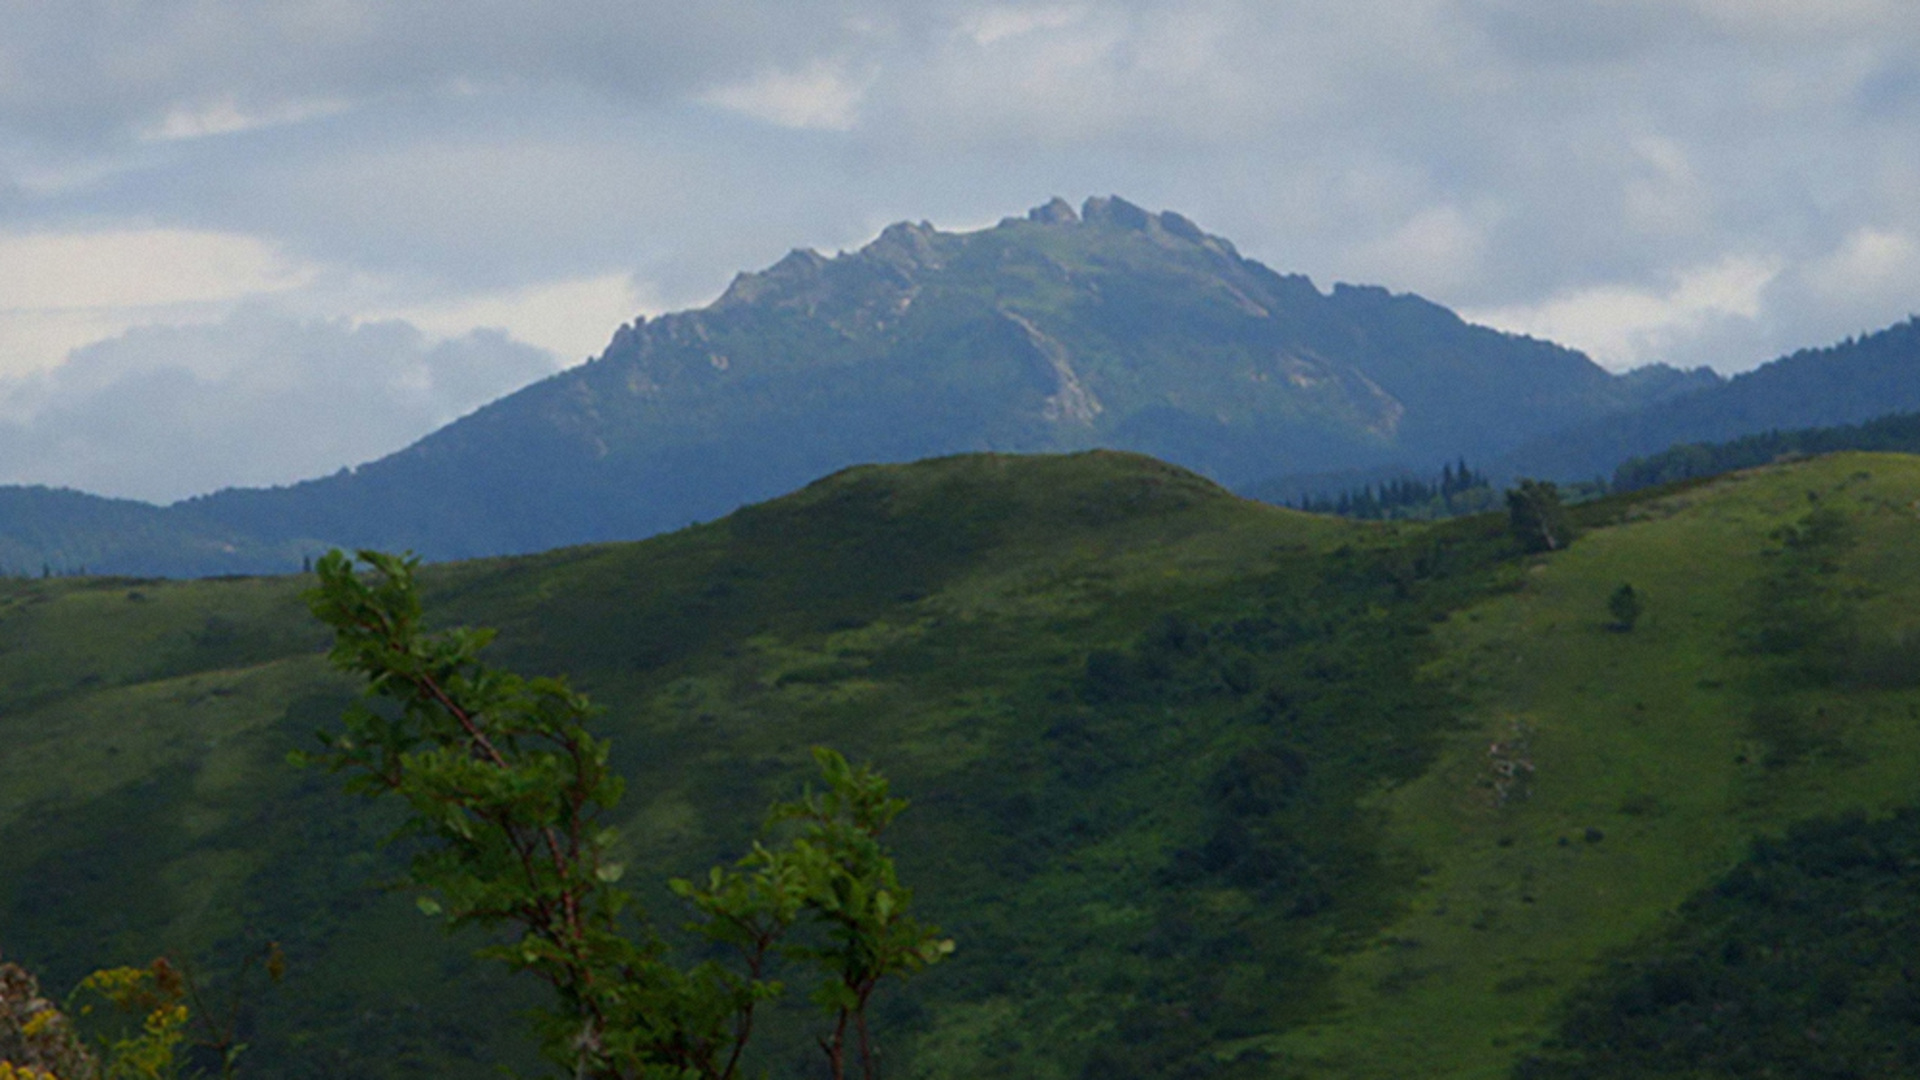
x,y
1202,787
1898,433
59,531
922,617
1854,381
1772,680
1054,332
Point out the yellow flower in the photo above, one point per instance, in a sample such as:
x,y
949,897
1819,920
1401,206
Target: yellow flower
x,y
164,1021
39,1022
118,985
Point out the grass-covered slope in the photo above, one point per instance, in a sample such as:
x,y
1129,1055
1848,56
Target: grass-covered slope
x,y
1771,680
1202,786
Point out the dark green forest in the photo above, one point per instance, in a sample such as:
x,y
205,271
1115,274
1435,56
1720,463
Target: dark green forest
x,y
1899,433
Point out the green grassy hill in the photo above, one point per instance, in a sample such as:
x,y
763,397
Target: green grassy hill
x,y
1772,680
1202,786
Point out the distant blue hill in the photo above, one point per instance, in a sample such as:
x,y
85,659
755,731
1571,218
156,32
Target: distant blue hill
x,y
1854,381
1899,433
59,532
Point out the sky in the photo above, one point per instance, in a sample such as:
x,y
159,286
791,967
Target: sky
x,y
250,241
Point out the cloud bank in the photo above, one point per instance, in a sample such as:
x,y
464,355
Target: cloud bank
x,y
161,413
1695,181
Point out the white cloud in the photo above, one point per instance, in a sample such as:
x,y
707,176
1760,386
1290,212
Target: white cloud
x,y
226,116
1625,326
59,291
1870,278
138,268
164,412
1876,263
821,96
571,319
1435,251
990,25
32,341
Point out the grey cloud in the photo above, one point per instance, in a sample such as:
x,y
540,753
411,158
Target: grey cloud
x,y
1548,142
103,68
161,413
1489,152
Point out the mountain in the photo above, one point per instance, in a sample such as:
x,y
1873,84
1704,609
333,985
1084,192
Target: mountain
x,y
1898,433
1202,787
1854,381
59,531
1060,331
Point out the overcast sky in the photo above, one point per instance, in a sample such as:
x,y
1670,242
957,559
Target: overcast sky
x,y
247,241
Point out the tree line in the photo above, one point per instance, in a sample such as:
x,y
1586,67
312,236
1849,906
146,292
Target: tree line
x,y
1459,489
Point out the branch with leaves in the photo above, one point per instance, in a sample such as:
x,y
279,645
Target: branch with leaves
x,y
509,795
833,872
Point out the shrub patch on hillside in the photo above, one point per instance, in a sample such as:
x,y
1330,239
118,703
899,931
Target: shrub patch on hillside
x,y
1803,961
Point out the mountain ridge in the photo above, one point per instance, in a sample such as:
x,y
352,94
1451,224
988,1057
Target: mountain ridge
x,y
1062,330
1849,382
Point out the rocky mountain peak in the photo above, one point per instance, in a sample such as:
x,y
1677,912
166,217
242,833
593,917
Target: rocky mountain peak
x,y
906,247
1166,228
801,267
1115,211
1056,211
